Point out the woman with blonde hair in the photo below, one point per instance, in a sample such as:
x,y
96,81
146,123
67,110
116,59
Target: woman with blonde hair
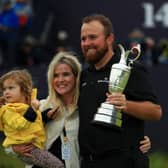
x,y
63,87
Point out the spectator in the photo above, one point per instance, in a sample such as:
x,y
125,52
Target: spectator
x,y
24,11
9,24
27,53
163,57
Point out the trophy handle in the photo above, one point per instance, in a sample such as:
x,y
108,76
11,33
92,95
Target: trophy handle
x,y
137,50
123,56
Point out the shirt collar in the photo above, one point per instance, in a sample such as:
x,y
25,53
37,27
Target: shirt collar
x,y
115,59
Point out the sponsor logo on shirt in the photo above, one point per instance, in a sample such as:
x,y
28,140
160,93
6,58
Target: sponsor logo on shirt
x,y
105,80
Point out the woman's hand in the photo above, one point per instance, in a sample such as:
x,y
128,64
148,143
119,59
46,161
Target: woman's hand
x,y
23,149
145,144
52,114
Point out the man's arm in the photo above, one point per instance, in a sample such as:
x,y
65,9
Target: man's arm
x,y
144,110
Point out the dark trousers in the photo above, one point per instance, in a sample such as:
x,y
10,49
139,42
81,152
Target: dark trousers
x,y
124,159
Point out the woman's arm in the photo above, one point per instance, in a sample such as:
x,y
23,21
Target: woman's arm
x,y
23,149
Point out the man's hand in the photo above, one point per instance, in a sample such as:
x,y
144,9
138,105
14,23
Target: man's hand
x,y
118,100
145,144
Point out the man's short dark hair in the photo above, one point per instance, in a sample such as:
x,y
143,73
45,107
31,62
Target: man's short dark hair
x,y
105,21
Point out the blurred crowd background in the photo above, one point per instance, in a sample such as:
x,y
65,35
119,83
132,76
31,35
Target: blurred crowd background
x,y
25,41
33,31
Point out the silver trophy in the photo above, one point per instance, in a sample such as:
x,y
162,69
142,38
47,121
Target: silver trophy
x,y
107,114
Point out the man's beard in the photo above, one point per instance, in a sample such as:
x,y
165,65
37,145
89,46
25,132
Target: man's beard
x,y
97,56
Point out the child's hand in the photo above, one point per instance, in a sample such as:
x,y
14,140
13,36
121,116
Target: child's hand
x,y
2,101
35,103
52,113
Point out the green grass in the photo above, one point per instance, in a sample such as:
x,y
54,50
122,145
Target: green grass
x,y
157,160
7,161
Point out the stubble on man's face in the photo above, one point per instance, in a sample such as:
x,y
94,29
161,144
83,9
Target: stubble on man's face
x,y
95,54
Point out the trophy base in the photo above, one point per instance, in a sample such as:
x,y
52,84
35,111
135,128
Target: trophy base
x,y
107,115
107,120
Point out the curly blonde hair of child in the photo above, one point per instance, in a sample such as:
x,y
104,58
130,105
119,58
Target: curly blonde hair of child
x,y
23,78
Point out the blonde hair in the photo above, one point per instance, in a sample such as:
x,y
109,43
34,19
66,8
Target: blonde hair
x,y
22,78
53,96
